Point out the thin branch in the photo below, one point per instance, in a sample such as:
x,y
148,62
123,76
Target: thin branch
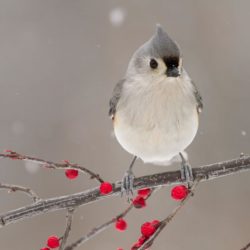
x,y
14,188
95,231
49,164
165,222
68,228
246,247
208,172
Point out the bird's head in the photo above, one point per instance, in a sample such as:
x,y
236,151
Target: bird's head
x,y
157,58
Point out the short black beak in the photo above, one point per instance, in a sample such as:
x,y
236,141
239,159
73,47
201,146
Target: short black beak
x,y
172,72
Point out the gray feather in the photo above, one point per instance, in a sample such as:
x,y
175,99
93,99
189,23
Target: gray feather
x,y
160,45
198,98
163,45
115,97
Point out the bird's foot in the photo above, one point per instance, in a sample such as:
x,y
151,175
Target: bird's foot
x,y
187,174
127,186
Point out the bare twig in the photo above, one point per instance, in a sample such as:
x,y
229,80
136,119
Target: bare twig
x,y
68,228
165,222
207,172
14,188
246,247
95,231
49,164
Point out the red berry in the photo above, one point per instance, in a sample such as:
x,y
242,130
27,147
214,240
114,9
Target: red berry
x,y
119,248
53,242
155,223
139,202
71,173
142,239
45,248
136,246
144,192
179,192
106,188
121,224
147,229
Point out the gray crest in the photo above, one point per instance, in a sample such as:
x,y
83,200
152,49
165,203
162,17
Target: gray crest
x,y
162,45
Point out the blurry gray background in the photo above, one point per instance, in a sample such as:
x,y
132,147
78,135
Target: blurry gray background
x,y
59,61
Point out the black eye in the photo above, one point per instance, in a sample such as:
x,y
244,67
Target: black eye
x,y
153,64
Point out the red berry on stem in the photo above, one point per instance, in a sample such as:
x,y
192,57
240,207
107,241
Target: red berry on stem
x,y
71,173
106,188
179,192
45,248
155,223
142,239
136,246
139,202
121,224
144,192
147,229
53,242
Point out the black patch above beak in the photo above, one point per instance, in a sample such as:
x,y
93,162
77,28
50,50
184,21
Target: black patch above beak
x,y
172,72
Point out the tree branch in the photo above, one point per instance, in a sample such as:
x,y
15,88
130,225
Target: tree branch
x,y
95,231
246,247
49,164
68,228
14,188
98,230
207,172
165,222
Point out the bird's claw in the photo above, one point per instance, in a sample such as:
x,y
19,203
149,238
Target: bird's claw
x,y
127,186
187,174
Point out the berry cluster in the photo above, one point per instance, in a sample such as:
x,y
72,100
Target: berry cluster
x,y
140,200
147,230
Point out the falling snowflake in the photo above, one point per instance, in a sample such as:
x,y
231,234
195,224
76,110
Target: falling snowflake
x,y
243,133
117,16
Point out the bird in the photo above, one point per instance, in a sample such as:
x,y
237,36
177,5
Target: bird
x,y
155,107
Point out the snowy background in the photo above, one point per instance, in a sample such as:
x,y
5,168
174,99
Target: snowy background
x,y
59,61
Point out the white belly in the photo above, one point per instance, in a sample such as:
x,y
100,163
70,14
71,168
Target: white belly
x,y
158,126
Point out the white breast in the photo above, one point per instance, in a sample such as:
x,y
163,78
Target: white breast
x,y
156,122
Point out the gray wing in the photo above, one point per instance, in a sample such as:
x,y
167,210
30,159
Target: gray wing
x,y
115,98
198,98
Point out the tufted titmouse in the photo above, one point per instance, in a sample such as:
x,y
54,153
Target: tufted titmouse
x,y
155,107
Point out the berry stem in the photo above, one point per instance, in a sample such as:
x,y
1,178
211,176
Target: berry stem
x,y
49,164
166,221
95,231
68,228
14,188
